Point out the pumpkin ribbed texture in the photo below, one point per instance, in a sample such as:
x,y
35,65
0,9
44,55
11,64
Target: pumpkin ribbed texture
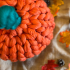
x,y
33,34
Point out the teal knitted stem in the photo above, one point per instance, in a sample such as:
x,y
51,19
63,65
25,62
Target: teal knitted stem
x,y
9,18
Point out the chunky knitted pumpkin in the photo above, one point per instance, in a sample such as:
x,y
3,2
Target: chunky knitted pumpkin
x,y
31,36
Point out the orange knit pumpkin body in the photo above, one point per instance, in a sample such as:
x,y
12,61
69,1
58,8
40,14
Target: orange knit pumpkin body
x,y
33,34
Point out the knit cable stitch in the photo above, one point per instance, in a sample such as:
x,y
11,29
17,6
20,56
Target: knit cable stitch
x,y
33,34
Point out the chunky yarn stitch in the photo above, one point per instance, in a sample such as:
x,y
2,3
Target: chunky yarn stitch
x,y
34,33
9,19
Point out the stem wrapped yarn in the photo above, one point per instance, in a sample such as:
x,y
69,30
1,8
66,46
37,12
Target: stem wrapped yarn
x,y
9,18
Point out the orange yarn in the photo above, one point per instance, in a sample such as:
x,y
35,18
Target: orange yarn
x,y
33,34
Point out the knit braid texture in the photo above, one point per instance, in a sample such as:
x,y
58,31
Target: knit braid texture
x,y
34,33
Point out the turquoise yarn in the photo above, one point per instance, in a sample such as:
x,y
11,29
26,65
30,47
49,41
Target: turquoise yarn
x,y
9,19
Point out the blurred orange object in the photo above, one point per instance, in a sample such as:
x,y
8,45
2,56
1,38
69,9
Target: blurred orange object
x,y
65,37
